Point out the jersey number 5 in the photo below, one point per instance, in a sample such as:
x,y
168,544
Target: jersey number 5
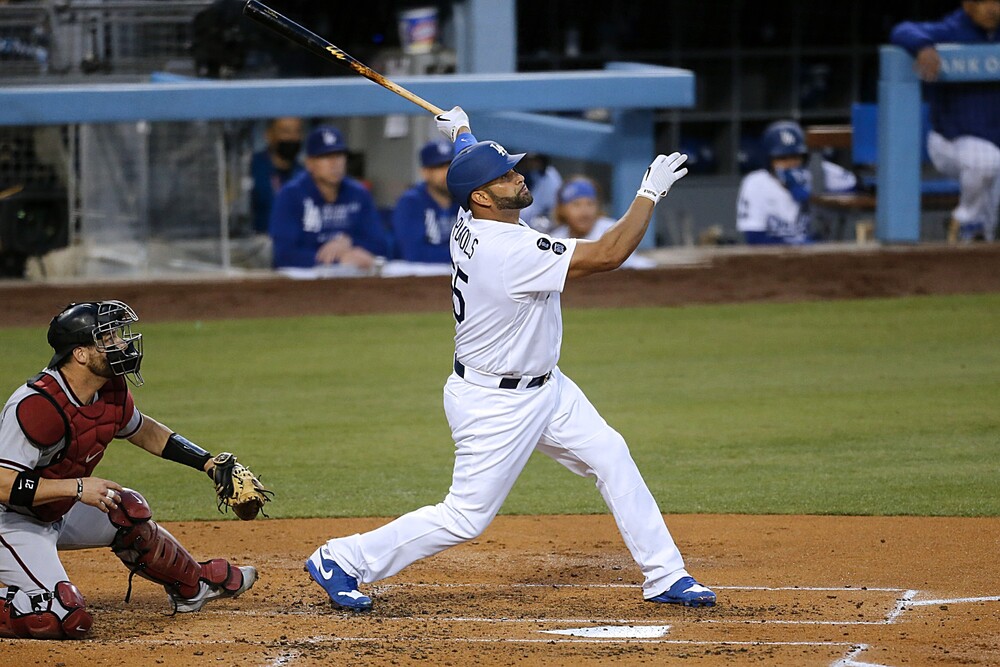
x,y
458,301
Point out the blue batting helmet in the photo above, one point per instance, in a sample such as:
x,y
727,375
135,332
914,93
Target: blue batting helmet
x,y
477,165
783,138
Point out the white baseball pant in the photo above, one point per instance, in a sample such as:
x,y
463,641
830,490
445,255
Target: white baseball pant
x,y
495,432
975,163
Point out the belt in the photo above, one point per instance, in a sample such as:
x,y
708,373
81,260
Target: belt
x,y
488,380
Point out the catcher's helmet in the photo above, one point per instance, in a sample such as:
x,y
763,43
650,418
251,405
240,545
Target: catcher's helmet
x,y
477,165
106,324
784,138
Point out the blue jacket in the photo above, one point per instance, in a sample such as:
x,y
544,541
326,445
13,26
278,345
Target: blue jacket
x,y
267,180
421,227
302,221
957,109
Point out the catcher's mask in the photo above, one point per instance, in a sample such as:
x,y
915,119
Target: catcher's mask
x,y
104,324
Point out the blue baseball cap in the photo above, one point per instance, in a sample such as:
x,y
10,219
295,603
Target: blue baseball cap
x,y
477,165
576,188
324,140
436,154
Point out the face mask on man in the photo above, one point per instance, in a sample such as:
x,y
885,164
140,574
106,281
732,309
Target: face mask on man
x,y
287,150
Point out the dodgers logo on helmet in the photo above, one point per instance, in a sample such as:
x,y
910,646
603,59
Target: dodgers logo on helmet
x,y
477,165
783,138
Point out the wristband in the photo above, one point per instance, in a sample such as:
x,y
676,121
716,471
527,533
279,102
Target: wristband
x,y
22,493
79,488
182,450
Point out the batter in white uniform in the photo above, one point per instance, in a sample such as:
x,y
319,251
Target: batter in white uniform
x,y
507,396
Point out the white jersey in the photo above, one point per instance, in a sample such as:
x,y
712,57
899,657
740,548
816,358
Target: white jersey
x,y
603,224
765,205
506,281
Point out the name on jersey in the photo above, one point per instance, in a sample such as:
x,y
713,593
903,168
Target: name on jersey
x,y
463,237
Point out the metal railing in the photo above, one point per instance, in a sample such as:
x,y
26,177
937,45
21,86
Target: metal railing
x,y
50,40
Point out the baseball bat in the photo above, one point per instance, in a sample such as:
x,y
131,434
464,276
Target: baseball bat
x,y
289,29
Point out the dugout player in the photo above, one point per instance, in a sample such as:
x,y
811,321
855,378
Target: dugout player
x,y
964,141
323,216
54,430
773,203
578,215
424,215
507,397
273,166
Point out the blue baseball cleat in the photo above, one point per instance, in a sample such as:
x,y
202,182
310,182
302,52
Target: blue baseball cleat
x,y
688,592
341,587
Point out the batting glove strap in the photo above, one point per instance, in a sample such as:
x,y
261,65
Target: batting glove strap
x,y
662,173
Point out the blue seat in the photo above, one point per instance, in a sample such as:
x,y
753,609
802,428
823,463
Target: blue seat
x,y
864,149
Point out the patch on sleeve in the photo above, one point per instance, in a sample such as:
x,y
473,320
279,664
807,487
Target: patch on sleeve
x,y
544,243
558,248
40,421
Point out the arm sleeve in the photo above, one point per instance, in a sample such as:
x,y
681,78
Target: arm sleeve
x,y
408,229
464,140
286,233
748,214
914,36
536,263
371,234
16,451
131,419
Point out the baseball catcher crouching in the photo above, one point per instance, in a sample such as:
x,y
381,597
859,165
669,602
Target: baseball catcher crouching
x,y
54,430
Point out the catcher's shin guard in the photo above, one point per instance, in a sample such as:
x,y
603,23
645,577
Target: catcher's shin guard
x,y
58,614
150,551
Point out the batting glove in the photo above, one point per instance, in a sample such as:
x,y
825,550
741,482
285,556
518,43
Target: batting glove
x,y
663,172
451,122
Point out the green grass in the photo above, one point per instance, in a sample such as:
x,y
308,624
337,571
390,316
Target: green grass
x,y
847,407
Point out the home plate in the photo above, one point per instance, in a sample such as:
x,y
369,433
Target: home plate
x,y
615,631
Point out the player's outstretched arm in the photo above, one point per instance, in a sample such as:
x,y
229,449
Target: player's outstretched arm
x,y
620,241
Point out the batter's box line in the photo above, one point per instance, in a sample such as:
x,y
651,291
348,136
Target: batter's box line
x,y
385,587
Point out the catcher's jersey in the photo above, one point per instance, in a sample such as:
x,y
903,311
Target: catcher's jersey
x,y
18,453
506,281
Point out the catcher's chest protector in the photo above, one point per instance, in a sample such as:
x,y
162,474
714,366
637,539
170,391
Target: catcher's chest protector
x,y
89,430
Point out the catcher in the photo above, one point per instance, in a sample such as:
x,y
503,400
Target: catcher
x,y
53,432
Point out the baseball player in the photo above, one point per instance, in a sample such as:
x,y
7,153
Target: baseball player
x,y
53,432
322,216
507,397
964,142
773,203
424,215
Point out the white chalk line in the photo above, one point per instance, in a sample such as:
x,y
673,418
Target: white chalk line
x,y
844,589
905,601
849,661
322,639
923,603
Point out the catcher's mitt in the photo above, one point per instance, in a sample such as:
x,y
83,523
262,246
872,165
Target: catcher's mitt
x,y
238,488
